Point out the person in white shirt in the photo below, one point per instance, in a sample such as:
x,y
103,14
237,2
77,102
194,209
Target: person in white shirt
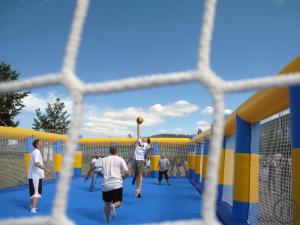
x,y
142,146
114,170
95,169
36,174
148,166
163,167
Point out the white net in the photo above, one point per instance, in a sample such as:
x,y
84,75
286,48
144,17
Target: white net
x,y
275,206
77,89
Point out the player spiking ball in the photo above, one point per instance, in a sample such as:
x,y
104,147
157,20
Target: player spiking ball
x,y
142,146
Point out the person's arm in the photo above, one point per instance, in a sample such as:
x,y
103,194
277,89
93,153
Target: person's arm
x,y
92,167
168,164
138,132
39,165
124,169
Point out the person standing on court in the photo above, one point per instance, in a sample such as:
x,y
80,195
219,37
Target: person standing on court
x,y
114,170
148,166
96,169
142,146
163,167
36,174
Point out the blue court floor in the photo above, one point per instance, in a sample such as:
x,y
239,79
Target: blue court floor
x,y
158,203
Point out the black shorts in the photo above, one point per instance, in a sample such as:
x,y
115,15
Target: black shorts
x,y
33,185
115,195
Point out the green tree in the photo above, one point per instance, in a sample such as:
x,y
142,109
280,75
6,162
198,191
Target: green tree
x,y
54,120
11,104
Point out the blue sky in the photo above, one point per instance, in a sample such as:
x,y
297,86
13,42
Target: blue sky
x,y
124,38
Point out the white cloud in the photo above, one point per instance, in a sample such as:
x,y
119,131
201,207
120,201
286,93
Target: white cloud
x,y
113,121
121,122
34,101
203,125
208,110
228,111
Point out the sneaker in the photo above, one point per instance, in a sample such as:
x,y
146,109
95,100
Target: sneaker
x,y
138,193
33,210
113,213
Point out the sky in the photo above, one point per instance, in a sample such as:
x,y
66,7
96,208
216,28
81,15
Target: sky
x,y
126,38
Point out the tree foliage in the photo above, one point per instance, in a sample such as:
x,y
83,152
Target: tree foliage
x,y
11,104
54,120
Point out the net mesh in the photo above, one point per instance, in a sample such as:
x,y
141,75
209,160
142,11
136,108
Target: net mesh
x,y
177,153
275,170
12,164
77,89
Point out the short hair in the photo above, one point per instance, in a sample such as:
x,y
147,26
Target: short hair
x,y
113,150
148,140
34,143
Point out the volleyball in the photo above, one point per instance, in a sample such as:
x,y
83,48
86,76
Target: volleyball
x,y
139,119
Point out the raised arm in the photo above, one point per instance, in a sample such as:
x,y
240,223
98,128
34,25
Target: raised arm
x,y
138,132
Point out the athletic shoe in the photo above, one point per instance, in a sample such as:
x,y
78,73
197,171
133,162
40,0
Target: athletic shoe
x,y
113,213
138,193
33,210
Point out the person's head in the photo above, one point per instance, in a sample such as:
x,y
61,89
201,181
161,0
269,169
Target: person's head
x,y
113,150
163,155
147,140
97,155
37,144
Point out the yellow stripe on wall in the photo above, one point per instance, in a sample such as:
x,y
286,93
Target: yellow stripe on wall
x,y
246,178
192,160
226,167
198,164
155,160
57,162
78,159
296,185
205,161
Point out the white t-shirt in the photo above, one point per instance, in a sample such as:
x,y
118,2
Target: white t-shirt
x,y
33,171
98,164
141,149
164,164
112,168
148,162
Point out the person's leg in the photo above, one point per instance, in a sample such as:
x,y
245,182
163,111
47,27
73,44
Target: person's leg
x,y
34,202
167,177
117,204
160,177
140,172
37,190
94,179
107,211
139,185
117,197
134,168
